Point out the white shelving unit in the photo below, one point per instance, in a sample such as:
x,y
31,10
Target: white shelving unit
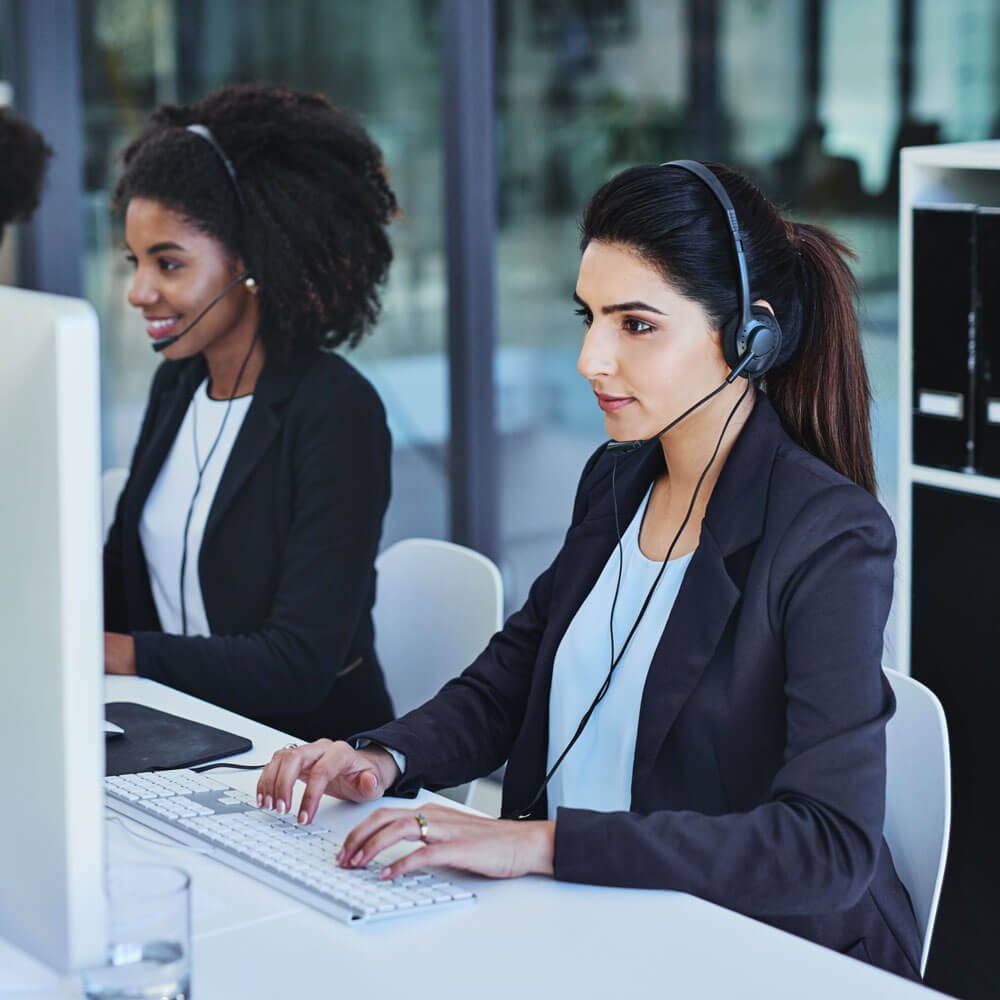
x,y
953,173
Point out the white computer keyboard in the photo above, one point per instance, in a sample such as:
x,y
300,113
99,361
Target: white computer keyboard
x,y
300,861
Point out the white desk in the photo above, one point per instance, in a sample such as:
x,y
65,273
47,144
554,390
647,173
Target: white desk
x,y
524,938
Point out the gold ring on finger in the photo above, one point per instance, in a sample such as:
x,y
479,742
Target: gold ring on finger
x,y
422,823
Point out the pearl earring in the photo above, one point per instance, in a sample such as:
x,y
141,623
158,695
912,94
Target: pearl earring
x,y
251,285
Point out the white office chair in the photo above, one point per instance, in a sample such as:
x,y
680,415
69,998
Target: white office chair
x,y
437,605
112,483
918,797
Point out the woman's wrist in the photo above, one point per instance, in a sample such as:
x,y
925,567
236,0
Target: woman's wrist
x,y
543,848
385,764
119,654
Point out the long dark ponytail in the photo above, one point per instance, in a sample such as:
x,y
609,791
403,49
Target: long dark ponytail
x,y
823,395
819,384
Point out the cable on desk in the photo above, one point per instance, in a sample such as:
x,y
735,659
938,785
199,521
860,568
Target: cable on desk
x,y
238,767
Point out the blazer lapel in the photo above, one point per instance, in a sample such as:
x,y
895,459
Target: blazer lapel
x,y
708,594
170,403
260,428
696,623
173,404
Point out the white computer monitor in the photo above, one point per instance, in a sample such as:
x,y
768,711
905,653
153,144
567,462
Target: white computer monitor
x,y
51,643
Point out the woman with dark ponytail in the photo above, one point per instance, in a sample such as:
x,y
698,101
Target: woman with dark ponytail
x,y
692,696
240,564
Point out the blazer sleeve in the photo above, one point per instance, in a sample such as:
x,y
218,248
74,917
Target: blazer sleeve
x,y
115,602
468,728
813,845
288,666
115,607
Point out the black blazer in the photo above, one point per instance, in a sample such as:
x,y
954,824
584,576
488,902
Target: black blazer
x,y
287,559
759,773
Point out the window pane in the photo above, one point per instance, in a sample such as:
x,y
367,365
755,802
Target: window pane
x,y
958,68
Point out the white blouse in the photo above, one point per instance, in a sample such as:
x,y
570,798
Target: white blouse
x,y
161,527
597,772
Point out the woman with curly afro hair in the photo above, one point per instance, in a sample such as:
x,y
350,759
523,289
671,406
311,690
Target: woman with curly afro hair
x,y
240,564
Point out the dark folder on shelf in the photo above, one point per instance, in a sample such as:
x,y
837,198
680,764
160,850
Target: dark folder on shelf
x,y
157,741
988,338
943,330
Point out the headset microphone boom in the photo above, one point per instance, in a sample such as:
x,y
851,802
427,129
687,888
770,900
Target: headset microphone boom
x,y
162,345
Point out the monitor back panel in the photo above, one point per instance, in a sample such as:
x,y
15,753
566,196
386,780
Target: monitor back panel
x,y
51,644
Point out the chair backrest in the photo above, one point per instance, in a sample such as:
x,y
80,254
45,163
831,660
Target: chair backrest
x,y
112,483
437,605
918,797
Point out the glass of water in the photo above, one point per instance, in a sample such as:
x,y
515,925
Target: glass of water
x,y
149,935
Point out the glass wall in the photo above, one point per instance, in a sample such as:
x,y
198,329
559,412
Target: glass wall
x,y
380,60
812,98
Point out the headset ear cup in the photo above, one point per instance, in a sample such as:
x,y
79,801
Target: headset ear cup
x,y
764,332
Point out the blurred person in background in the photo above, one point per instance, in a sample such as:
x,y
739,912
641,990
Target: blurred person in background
x,y
24,157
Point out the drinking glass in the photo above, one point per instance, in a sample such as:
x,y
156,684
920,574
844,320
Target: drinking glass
x,y
149,935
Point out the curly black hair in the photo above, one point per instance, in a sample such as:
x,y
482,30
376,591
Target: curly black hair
x,y
24,156
317,204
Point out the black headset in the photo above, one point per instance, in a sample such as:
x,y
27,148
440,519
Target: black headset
x,y
751,342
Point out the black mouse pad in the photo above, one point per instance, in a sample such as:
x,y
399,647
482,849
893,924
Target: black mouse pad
x,y
155,740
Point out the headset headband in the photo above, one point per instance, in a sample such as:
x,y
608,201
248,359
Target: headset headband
x,y
712,183
206,133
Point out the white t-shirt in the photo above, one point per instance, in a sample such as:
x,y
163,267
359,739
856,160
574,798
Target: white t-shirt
x,y
597,772
161,527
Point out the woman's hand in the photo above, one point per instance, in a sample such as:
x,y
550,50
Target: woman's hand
x,y
335,768
119,654
498,848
